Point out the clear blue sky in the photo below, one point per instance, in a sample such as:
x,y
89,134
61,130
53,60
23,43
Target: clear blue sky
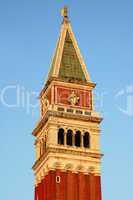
x,y
28,33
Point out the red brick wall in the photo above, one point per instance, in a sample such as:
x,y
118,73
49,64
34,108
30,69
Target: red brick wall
x,y
62,184
60,187
98,188
43,190
92,187
87,187
52,185
82,184
36,191
76,187
71,187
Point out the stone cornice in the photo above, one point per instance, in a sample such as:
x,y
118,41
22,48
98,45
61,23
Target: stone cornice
x,y
79,83
66,116
65,151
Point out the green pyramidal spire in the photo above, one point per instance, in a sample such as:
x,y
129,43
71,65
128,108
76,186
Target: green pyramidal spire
x,y
70,66
67,63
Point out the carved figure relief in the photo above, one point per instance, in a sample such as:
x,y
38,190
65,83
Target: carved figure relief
x,y
44,104
73,99
46,101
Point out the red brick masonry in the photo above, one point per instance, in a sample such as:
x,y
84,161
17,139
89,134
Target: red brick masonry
x,y
72,186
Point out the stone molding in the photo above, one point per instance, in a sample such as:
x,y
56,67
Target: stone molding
x,y
56,114
68,151
68,168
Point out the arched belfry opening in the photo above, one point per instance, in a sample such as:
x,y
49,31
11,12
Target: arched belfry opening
x,y
86,140
78,139
61,136
69,137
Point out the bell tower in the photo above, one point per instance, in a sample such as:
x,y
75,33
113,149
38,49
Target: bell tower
x,y
68,156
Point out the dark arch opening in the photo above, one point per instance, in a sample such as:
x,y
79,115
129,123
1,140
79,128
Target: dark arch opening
x,y
61,136
69,137
86,140
77,138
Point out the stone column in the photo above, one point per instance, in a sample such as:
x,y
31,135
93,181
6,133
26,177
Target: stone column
x,y
81,142
73,138
65,135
